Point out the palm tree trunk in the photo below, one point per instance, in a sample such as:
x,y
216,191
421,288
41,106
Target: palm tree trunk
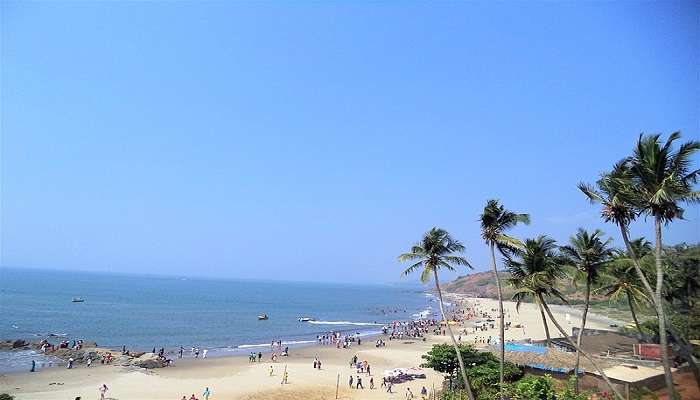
x,y
685,352
467,386
546,327
635,261
634,314
578,349
652,295
663,336
583,326
502,336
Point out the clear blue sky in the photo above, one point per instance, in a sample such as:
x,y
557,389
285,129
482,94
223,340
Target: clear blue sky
x,y
317,141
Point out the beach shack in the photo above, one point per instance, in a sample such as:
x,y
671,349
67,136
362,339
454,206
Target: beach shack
x,y
626,377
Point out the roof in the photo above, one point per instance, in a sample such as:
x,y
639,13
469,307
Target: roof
x,y
630,373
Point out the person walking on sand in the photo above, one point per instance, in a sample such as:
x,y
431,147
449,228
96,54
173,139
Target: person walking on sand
x,y
359,383
271,370
103,391
350,382
206,393
204,353
409,394
285,376
424,393
371,382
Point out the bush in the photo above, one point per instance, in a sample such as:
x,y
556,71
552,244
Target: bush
x,y
5,396
569,392
534,388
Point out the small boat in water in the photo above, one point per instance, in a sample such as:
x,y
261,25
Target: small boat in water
x,y
263,317
78,299
305,319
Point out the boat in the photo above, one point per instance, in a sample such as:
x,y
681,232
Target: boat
x,y
305,319
263,317
78,299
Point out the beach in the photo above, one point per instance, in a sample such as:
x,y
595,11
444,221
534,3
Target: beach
x,y
234,377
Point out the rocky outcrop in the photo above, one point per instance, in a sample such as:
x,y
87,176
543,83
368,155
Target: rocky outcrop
x,y
16,344
149,360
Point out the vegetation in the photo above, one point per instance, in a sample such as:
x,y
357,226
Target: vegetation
x,y
658,285
5,396
437,250
495,220
589,254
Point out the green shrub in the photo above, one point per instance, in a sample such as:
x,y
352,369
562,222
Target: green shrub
x,y
5,396
534,388
569,392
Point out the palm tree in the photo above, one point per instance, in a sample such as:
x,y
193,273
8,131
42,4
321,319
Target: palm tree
x,y
535,272
663,180
438,250
495,220
615,192
623,281
589,254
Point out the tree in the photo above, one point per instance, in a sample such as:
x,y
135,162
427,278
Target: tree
x,y
615,191
622,280
484,367
495,220
437,250
662,181
589,254
534,273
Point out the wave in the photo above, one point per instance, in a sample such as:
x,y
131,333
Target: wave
x,y
345,323
291,342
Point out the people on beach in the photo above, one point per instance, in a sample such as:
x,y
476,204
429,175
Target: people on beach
x,y
33,366
88,363
359,383
371,382
409,394
204,353
271,370
103,391
350,382
179,353
206,393
424,393
70,363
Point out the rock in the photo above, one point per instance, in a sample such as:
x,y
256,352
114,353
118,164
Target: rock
x,y
149,360
14,344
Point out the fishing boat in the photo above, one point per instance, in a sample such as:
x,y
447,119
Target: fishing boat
x,y
78,299
263,317
305,319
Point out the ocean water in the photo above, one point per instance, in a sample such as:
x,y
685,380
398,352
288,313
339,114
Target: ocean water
x,y
220,315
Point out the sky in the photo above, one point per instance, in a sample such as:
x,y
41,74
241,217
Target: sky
x,y
319,140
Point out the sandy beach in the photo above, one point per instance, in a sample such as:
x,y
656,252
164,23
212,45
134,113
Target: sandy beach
x,y
235,377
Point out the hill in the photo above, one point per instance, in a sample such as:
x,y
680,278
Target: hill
x,y
479,284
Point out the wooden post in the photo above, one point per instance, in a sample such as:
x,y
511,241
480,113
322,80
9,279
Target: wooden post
x,y
337,384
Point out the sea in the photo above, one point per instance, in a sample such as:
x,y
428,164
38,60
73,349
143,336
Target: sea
x,y
221,315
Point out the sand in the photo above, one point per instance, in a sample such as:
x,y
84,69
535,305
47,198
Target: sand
x,y
235,378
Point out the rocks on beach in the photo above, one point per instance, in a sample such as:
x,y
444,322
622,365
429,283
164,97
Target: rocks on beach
x,y
89,350
16,344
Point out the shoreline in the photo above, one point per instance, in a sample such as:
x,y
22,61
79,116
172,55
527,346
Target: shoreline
x,y
234,377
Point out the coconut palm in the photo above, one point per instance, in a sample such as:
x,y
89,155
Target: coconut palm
x,y
663,181
589,254
495,220
438,250
615,192
622,280
535,271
